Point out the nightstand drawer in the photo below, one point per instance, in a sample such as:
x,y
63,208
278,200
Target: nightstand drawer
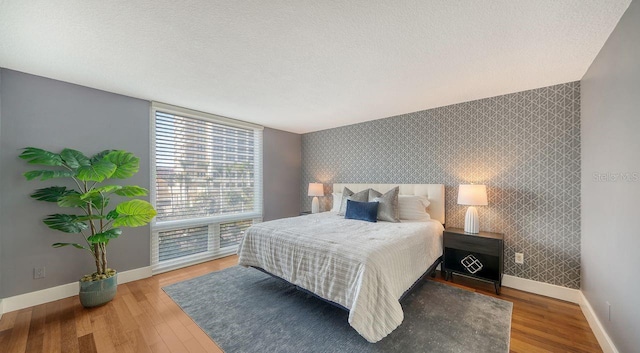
x,y
473,244
473,264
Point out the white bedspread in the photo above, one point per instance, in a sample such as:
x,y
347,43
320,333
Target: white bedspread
x,y
363,266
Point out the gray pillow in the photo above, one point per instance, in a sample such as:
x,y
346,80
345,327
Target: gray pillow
x,y
388,209
362,196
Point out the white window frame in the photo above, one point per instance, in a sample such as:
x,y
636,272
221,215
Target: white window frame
x,y
213,222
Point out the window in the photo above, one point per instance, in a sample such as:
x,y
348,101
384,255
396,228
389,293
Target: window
x,y
208,185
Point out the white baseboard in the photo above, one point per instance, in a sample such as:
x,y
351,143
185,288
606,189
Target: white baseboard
x,y
596,326
26,300
134,275
546,289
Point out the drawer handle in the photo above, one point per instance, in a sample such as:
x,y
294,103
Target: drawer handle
x,y
471,263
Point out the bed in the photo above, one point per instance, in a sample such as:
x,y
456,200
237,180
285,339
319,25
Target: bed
x,y
365,268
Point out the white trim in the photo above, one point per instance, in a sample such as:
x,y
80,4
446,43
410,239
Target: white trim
x,y
135,274
152,175
596,326
1,309
26,300
546,289
203,221
172,109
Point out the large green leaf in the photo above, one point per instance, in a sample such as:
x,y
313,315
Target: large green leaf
x,y
39,156
101,189
74,159
134,213
128,191
97,171
48,174
127,163
99,156
132,191
72,200
65,223
105,236
75,245
113,214
51,194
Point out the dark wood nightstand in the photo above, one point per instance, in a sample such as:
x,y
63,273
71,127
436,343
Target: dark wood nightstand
x,y
479,256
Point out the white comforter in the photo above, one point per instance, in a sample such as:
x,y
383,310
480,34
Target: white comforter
x,y
363,266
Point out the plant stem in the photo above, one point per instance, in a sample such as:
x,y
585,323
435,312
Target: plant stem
x,y
104,257
97,252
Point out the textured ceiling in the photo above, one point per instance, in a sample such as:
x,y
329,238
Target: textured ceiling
x,y
303,66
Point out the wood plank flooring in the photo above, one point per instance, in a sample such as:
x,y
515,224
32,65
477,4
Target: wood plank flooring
x,y
143,319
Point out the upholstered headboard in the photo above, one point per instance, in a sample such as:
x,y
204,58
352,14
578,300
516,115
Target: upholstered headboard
x,y
434,192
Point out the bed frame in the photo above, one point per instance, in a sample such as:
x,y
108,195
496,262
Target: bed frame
x,y
435,195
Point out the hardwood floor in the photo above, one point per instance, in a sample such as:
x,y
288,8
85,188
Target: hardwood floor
x,y
142,318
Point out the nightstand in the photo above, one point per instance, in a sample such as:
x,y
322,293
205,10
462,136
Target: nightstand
x,y
479,256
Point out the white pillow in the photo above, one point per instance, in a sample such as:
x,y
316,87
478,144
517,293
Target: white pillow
x,y
413,207
337,200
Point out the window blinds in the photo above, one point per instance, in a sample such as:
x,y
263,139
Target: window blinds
x,y
208,184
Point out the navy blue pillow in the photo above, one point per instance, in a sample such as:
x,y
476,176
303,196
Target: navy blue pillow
x,y
362,211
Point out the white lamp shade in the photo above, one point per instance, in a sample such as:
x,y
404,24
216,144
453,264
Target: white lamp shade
x,y
316,189
472,195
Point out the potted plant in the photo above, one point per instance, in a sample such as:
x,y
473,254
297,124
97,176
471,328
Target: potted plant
x,y
97,220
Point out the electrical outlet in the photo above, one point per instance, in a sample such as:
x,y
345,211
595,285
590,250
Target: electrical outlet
x,y
608,311
519,258
39,272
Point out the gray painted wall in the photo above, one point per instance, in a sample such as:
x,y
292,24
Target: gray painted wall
x,y
610,145
46,113
1,212
525,146
282,165
52,115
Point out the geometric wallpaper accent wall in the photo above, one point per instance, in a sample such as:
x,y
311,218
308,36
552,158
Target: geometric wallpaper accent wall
x,y
524,146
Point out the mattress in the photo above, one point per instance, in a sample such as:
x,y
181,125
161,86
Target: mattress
x,y
363,266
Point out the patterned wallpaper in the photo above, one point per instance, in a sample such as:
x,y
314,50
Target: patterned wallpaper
x,y
525,146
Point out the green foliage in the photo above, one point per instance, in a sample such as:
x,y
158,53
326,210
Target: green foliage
x,y
126,163
98,171
51,194
48,174
132,191
67,223
75,245
74,159
71,200
105,236
134,213
95,223
39,156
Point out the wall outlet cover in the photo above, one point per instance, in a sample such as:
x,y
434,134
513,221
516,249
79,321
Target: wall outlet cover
x,y
519,258
39,272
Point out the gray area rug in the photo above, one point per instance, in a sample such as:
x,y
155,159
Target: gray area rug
x,y
245,310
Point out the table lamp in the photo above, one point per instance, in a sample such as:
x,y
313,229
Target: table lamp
x,y
472,195
315,190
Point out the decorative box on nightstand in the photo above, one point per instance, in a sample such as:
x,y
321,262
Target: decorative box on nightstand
x,y
477,256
